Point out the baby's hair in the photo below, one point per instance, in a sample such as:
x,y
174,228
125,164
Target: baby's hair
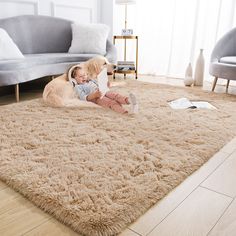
x,y
73,72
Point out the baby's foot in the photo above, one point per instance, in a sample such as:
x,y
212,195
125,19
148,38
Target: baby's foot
x,y
133,102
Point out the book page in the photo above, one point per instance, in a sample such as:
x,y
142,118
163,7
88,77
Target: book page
x,y
184,103
181,103
203,105
102,82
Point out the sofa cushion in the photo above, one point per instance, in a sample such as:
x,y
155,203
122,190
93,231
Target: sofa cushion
x,y
8,49
89,38
32,60
10,77
228,60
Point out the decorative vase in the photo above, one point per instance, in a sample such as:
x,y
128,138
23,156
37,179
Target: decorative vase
x,y
199,70
188,80
189,71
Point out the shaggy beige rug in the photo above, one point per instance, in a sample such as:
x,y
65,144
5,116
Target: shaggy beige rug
x,y
96,170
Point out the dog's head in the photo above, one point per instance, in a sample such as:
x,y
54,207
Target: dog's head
x,y
97,64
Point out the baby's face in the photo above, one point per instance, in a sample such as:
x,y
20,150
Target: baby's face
x,y
81,77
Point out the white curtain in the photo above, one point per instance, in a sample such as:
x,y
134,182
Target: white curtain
x,y
172,32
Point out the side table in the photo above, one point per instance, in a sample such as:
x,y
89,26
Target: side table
x,y
136,61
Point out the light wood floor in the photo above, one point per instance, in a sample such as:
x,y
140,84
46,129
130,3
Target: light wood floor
x,y
204,204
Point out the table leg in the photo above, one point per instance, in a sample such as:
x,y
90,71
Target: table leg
x,y
17,93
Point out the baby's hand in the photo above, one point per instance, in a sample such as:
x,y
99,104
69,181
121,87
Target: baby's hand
x,y
108,84
94,95
97,94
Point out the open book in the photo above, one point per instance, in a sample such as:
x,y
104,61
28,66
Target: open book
x,y
102,82
184,103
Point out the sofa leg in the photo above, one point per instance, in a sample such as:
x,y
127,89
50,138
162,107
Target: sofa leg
x,y
214,84
227,86
17,92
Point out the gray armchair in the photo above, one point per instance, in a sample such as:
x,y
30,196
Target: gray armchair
x,y
223,59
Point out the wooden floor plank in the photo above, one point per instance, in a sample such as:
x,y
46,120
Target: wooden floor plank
x,y
223,180
129,232
227,224
8,200
51,227
21,218
195,216
230,147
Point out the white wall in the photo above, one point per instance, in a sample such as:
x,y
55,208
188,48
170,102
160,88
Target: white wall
x,y
106,14
84,11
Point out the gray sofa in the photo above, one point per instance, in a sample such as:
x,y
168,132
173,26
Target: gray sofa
x,y
223,59
44,41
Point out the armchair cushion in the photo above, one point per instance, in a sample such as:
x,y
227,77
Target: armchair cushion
x,y
228,60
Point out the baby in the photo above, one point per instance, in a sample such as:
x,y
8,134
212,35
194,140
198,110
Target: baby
x,y
87,90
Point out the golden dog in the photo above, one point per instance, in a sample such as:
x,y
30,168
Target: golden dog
x,y
60,93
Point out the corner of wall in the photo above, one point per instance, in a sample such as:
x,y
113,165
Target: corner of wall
x,y
106,14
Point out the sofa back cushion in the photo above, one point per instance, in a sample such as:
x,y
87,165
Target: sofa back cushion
x,y
39,34
89,38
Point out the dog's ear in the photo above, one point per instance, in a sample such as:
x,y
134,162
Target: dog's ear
x,y
93,68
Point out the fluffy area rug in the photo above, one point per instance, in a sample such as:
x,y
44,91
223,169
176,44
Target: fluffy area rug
x,y
96,170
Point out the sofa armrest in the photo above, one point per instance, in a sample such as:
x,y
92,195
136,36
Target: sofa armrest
x,y
226,46
111,54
